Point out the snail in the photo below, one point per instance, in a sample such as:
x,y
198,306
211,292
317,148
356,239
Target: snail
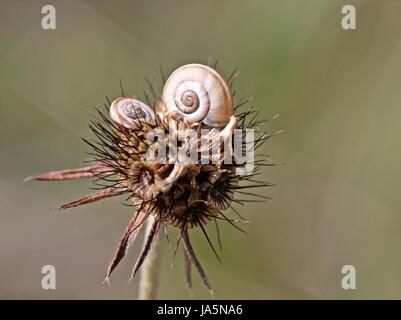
x,y
198,94
128,112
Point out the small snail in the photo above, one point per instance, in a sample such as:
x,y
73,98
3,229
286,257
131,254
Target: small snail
x,y
128,112
197,93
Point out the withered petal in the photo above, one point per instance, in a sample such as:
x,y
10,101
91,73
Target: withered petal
x,y
187,270
127,240
148,245
109,192
192,257
70,174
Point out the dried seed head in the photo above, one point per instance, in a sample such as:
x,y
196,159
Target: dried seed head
x,y
182,194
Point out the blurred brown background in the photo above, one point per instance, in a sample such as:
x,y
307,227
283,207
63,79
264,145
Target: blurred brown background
x,y
337,199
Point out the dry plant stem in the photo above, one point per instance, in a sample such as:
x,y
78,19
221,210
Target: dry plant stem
x,y
149,275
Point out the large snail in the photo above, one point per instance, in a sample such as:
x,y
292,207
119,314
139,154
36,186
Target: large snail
x,y
197,93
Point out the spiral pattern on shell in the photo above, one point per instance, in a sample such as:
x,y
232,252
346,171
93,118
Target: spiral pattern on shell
x,y
128,112
199,94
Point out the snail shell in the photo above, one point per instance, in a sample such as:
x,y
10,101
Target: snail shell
x,y
197,93
129,112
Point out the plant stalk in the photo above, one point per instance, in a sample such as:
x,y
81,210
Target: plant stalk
x,y
149,274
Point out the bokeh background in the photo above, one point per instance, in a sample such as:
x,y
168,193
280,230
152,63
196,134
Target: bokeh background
x,y
337,194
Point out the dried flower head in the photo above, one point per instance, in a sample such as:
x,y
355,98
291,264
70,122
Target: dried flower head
x,y
176,158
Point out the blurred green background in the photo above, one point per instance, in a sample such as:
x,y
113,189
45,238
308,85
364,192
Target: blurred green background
x,y
337,194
